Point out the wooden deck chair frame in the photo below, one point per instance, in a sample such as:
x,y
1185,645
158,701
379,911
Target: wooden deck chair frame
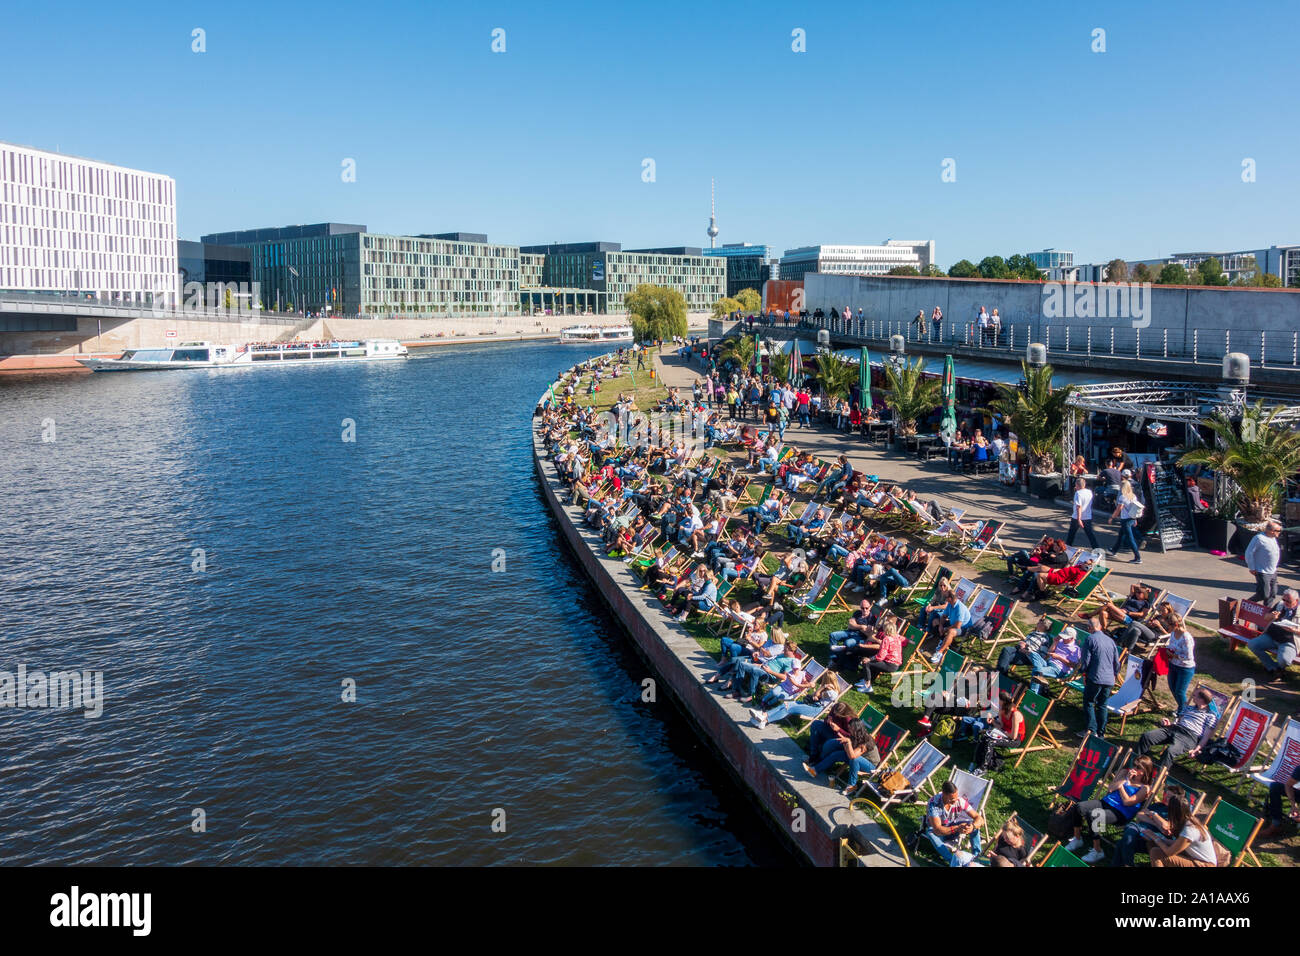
x,y
1074,600
1124,702
1227,824
830,601
1058,857
1096,776
1034,838
1285,753
986,539
1039,731
1248,731
1003,609
919,767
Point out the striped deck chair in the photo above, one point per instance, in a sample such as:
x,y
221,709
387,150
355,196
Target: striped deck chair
x,y
1235,830
1085,595
998,611
920,593
976,790
1034,708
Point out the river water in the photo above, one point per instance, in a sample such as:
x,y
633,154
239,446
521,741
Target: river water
x,y
213,543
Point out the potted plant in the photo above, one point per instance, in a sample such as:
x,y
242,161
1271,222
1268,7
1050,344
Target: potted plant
x,y
910,395
1256,457
1214,526
835,376
1036,413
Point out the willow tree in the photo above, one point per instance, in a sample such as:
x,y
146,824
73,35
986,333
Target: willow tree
x,y
658,312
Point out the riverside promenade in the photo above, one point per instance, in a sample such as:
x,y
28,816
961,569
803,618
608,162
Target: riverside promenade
x,y
1189,572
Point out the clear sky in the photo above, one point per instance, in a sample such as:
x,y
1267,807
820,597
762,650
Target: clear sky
x,y
1135,152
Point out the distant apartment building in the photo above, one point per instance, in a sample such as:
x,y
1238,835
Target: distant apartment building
x,y
748,266
86,229
857,260
342,268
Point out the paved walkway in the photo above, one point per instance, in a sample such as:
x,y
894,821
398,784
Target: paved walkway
x,y
1191,573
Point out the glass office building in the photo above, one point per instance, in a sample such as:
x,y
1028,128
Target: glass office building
x,y
1050,259
608,269
748,266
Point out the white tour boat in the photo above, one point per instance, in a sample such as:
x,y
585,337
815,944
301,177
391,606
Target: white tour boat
x,y
266,354
596,333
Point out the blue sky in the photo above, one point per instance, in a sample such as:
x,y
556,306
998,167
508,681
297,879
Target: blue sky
x,y
1134,152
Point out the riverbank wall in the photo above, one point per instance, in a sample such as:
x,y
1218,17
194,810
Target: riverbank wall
x,y
810,816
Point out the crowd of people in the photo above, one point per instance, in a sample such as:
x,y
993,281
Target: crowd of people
x,y
694,527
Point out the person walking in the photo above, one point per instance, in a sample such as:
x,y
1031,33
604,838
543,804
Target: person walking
x,y
1081,515
936,320
1127,512
1261,558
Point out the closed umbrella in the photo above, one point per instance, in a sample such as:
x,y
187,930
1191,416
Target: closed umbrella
x,y
796,363
758,357
864,380
948,429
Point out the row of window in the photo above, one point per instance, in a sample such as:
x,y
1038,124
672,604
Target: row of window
x,y
61,280
87,261
26,167
52,200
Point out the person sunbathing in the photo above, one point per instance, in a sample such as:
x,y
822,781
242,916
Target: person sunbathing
x,y
859,752
823,693
1041,581
1120,804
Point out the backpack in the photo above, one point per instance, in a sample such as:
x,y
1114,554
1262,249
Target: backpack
x,y
941,735
987,757
1220,751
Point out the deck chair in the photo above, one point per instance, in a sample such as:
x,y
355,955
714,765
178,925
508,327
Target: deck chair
x,y
1247,731
920,597
1034,839
828,602
1059,856
916,769
1123,703
1087,593
1000,613
1234,829
1034,708
889,737
965,589
1092,764
947,536
817,584
872,717
985,539
1165,782
976,790
914,638
1286,754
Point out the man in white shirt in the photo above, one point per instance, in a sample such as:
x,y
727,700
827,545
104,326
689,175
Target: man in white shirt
x,y
1081,514
1261,558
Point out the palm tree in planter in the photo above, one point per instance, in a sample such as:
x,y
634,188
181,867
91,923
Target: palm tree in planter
x,y
835,375
741,349
1254,454
1036,413
910,395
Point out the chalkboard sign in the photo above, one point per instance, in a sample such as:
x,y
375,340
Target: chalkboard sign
x,y
1173,517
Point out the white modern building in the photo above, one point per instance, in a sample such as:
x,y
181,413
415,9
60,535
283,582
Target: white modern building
x,y
78,227
857,260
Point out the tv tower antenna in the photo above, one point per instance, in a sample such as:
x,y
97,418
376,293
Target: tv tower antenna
x,y
713,217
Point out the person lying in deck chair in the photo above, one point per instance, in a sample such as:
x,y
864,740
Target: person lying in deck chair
x,y
822,695
699,598
1060,662
1023,651
1040,581
1185,734
1130,616
1122,801
746,677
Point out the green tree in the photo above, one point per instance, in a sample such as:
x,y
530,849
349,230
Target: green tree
x,y
963,269
910,394
994,267
1142,273
934,272
1254,454
740,348
1036,413
724,307
657,312
835,375
1171,273
1210,272
1023,267
750,301
903,271
1117,271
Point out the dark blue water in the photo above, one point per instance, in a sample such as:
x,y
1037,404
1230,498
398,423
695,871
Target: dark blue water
x,y
482,698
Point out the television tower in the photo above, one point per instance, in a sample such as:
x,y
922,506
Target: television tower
x,y
713,218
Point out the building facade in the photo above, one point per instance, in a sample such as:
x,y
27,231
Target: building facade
x,y
343,269
1050,259
748,266
85,229
570,269
1281,261
857,260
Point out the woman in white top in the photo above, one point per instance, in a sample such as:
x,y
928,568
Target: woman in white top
x,y
1182,661
1127,512
1190,843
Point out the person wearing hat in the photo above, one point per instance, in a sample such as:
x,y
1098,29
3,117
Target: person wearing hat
x,y
1061,661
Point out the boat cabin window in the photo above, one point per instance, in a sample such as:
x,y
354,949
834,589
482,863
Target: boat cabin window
x,y
190,355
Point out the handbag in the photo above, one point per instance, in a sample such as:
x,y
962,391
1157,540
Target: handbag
x,y
893,781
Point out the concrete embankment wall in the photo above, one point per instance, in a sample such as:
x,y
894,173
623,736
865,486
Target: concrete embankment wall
x,y
1182,318
810,815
